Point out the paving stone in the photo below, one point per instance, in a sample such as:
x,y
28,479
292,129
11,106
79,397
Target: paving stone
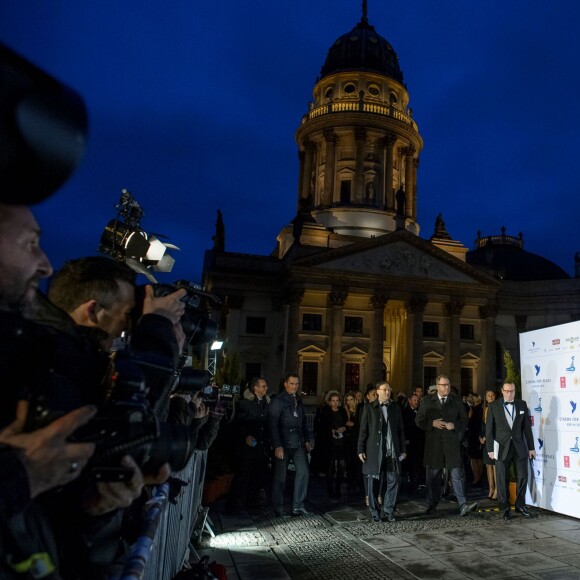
x,y
258,554
477,536
477,566
404,555
533,561
504,530
269,571
550,546
572,535
433,570
434,542
385,542
571,559
562,574
501,548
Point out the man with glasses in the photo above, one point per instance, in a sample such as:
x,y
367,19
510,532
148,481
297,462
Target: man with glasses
x,y
509,440
442,417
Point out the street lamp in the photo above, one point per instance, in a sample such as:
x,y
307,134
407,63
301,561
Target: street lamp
x,y
212,364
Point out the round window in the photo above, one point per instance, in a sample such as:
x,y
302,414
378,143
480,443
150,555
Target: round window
x,y
374,90
349,88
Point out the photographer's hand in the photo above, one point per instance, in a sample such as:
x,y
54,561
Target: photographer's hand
x,y
47,457
169,306
200,409
179,335
105,497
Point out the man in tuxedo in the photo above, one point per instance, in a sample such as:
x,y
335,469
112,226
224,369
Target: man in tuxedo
x,y
442,417
381,448
509,440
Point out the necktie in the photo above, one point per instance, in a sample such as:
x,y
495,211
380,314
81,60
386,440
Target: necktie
x,y
443,400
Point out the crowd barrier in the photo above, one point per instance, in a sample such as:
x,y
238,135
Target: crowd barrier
x,y
164,543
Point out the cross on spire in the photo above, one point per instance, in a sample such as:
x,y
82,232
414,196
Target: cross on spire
x,y
364,12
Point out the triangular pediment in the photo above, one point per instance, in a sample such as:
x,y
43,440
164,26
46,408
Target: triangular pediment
x,y
399,254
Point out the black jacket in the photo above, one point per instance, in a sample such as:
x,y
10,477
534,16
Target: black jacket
x,y
498,429
442,446
371,437
287,422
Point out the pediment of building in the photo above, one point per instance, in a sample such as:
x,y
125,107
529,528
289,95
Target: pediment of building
x,y
401,255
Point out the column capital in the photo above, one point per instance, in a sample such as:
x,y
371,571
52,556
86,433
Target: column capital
x,y
416,161
409,151
488,311
390,139
454,307
293,295
379,300
337,297
330,136
417,304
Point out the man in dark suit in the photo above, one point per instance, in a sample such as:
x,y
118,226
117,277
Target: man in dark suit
x,y
509,440
381,447
442,417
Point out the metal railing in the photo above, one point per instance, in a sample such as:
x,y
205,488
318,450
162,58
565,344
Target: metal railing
x,y
163,545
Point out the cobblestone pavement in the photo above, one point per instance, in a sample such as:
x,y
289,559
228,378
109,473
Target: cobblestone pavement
x,y
339,542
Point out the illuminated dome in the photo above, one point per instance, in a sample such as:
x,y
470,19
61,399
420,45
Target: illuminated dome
x,y
362,49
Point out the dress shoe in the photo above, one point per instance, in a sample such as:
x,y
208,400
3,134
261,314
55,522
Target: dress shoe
x,y
525,512
507,515
466,508
301,512
388,517
430,509
281,514
376,519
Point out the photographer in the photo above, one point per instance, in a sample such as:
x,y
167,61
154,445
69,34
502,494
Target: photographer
x,y
34,462
93,298
203,420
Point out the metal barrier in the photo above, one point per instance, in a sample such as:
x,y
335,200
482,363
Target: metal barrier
x,y
163,546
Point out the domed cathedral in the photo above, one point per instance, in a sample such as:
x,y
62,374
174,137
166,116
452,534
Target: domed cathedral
x,y
358,146
351,294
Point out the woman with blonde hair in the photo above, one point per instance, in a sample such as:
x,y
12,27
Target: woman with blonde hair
x,y
489,463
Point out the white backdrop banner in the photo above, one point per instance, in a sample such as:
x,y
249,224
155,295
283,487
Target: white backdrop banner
x,y
550,370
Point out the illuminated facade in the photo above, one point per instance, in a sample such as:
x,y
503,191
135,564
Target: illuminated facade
x,y
352,294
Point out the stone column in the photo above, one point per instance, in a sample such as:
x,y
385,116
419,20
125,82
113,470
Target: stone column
x,y
293,297
306,168
359,177
389,194
415,167
453,310
409,152
328,193
414,375
487,370
336,300
378,302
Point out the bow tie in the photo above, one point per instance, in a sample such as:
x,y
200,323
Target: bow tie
x,y
384,404
509,402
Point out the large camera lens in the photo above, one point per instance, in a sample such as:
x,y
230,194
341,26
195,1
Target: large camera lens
x,y
193,380
174,446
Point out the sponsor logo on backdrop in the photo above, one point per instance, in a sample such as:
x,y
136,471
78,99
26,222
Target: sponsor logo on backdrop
x,y
562,382
566,461
562,478
575,448
571,368
573,407
572,339
555,341
540,443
